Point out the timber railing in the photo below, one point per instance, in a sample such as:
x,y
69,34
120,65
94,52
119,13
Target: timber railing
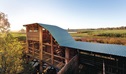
x,y
71,67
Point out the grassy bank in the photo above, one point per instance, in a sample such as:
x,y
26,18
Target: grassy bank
x,y
101,36
20,36
101,33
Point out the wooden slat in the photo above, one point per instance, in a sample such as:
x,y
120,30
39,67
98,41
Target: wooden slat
x,y
47,44
36,57
36,53
37,50
35,33
54,55
29,55
30,51
59,56
33,39
60,65
47,59
30,47
50,44
33,36
57,61
46,53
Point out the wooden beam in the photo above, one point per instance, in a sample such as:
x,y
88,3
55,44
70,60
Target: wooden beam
x,y
33,49
59,57
40,42
46,53
52,54
26,39
32,28
67,56
103,67
49,44
41,47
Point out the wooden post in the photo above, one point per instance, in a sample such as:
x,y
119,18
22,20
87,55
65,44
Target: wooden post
x,y
117,65
27,44
41,46
52,55
33,49
67,56
26,40
103,67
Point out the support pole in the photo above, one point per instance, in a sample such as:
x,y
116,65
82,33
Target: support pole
x,y
41,47
52,54
26,40
33,49
103,67
67,56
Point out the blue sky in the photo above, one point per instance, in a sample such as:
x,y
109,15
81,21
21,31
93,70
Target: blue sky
x,y
65,13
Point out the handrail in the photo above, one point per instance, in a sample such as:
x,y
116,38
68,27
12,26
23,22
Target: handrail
x,y
64,69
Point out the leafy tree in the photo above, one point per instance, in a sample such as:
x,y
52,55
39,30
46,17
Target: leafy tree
x,y
11,51
4,24
11,55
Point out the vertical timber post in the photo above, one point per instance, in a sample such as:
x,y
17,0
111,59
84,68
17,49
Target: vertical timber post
x,y
26,40
52,55
67,55
33,49
103,67
41,47
33,43
27,44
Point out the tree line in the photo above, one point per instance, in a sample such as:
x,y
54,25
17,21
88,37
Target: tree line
x,y
90,29
113,28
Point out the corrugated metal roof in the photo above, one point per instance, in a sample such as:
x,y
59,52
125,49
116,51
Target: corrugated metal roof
x,y
64,39
112,49
60,35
